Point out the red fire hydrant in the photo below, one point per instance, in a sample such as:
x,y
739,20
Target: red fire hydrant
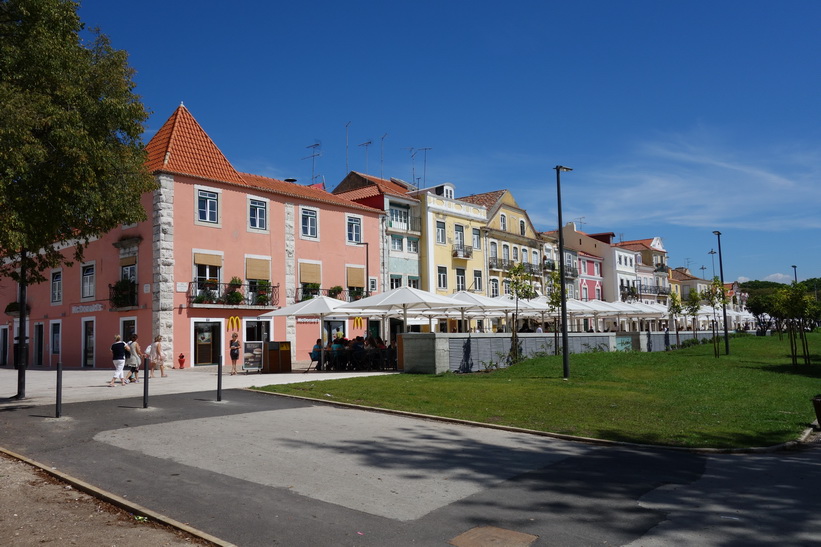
x,y
181,360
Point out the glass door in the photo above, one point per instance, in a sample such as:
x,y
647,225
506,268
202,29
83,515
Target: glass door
x,y
88,343
207,341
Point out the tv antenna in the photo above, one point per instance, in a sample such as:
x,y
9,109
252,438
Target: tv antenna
x,y
687,262
382,156
347,169
413,164
315,154
366,144
580,221
425,165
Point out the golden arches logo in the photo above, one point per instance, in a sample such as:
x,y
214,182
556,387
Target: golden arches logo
x,y
358,322
234,323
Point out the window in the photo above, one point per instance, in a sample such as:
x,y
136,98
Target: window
x,y
396,281
459,236
506,286
477,280
397,244
598,293
310,223
257,214
371,284
584,293
440,231
448,192
493,249
503,222
207,206
442,277
521,227
413,245
477,239
597,268
56,287
207,275
354,229
535,257
129,272
399,219
515,253
460,279
494,288
413,282
505,253
87,290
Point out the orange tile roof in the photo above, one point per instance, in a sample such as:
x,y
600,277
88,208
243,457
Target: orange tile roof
x,y
292,189
360,193
181,146
369,186
486,200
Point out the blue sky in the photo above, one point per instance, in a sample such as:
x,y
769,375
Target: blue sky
x,y
678,118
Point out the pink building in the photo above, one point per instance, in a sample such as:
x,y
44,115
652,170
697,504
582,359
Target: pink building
x,y
590,276
219,249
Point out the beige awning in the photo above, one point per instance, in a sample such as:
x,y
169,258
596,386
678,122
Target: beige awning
x,y
310,273
257,268
207,259
356,277
128,260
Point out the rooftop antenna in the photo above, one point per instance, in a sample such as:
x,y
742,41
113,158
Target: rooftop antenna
x,y
366,144
413,163
382,156
580,221
687,262
316,153
621,237
347,169
425,165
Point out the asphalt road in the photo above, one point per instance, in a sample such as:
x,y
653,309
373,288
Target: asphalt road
x,y
257,469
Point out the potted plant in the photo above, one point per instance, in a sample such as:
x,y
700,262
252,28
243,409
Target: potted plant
x,y
123,294
235,283
355,292
233,298
310,290
206,297
210,284
335,291
263,297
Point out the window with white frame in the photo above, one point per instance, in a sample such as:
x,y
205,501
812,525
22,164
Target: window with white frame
x,y
207,276
597,268
399,218
477,280
505,253
503,222
506,286
257,214
440,231
494,249
477,239
515,254
448,192
584,293
354,229
442,277
56,287
524,256
460,279
310,223
535,257
88,278
413,245
413,282
396,281
598,293
207,206
397,243
494,288
522,229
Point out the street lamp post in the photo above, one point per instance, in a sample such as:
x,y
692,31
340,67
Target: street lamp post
x,y
795,272
565,348
723,302
712,254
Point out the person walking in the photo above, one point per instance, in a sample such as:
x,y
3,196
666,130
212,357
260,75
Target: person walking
x,y
118,350
234,352
133,360
156,356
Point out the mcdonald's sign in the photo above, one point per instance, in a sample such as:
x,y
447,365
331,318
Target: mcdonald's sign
x,y
234,323
358,322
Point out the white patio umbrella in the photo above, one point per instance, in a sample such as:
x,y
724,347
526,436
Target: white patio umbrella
x,y
402,298
481,303
319,306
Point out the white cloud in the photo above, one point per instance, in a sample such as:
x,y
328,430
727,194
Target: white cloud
x,y
779,278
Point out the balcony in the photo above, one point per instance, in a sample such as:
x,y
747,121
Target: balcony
x,y
462,251
495,263
549,265
346,295
413,224
661,268
210,293
123,294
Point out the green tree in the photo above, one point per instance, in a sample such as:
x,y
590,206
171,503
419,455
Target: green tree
x,y
715,296
72,164
692,306
674,309
521,286
554,302
760,305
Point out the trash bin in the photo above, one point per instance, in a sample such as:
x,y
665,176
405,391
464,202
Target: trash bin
x,y
278,358
816,402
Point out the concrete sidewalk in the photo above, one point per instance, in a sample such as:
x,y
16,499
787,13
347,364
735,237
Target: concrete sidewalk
x,y
92,384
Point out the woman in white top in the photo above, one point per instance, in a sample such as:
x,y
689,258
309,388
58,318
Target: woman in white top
x,y
156,353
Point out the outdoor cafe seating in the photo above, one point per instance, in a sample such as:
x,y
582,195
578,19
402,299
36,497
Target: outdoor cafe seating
x,y
357,360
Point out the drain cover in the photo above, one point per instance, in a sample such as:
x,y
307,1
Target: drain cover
x,y
491,536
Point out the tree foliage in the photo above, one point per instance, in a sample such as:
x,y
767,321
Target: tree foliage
x,y
72,164
716,297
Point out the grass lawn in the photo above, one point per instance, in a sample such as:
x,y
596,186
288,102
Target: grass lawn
x,y
753,397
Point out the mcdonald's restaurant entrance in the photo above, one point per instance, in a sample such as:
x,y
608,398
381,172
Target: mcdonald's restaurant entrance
x,y
207,343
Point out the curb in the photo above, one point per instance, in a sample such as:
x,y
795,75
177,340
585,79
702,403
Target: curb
x,y
561,436
117,501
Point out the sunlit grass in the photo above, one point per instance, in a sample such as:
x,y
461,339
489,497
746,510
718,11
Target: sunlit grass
x,y
753,397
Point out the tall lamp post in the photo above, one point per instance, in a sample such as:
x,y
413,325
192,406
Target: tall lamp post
x,y
795,272
723,303
565,348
